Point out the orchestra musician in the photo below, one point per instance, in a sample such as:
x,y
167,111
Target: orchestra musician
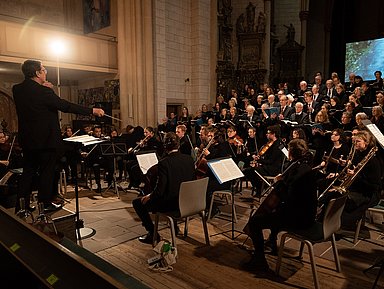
x,y
173,169
251,146
268,162
216,148
37,108
364,192
296,209
236,144
94,159
4,151
148,144
185,143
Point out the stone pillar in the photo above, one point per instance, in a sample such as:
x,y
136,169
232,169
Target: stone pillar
x,y
135,61
304,13
267,45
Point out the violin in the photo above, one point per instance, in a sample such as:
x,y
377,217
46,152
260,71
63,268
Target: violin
x,y
237,141
262,152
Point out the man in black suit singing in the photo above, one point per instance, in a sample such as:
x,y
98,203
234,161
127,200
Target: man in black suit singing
x,y
173,169
37,108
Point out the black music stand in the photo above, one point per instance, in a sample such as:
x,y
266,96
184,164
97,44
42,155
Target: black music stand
x,y
226,170
81,232
114,150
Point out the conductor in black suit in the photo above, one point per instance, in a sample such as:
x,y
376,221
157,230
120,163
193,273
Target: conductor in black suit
x,y
37,108
173,169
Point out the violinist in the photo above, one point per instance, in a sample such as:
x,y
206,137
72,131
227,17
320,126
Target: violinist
x,y
296,191
268,161
218,148
236,144
251,147
148,144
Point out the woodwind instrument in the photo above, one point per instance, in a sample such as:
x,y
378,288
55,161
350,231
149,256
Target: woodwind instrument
x,y
343,173
141,143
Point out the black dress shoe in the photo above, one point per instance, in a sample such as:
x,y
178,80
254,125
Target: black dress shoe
x,y
256,265
148,238
51,207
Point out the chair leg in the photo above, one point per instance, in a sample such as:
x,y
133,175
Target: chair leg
x,y
171,223
205,228
155,230
357,232
186,227
335,254
301,250
313,264
280,255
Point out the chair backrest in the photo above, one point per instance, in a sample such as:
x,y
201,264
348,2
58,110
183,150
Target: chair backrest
x,y
332,217
192,197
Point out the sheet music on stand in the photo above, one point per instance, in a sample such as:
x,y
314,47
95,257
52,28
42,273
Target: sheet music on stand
x,y
86,140
225,169
146,161
375,131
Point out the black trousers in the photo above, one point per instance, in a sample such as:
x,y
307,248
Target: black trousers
x,y
41,162
256,225
143,210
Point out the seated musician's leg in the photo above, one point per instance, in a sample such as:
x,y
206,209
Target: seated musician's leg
x,y
142,210
256,224
96,171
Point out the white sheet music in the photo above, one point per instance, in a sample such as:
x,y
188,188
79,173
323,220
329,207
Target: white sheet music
x,y
86,140
375,131
146,161
225,170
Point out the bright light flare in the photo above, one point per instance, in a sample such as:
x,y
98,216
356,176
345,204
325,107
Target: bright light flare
x,y
58,47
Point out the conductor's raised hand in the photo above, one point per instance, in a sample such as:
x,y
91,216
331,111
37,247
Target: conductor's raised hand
x,y
97,112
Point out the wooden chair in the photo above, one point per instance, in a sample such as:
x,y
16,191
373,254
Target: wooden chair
x,y
317,233
192,201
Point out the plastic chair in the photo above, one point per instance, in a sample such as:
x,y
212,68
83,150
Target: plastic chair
x,y
192,201
228,197
317,233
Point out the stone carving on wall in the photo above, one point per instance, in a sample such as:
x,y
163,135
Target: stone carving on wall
x,y
290,58
8,114
250,33
225,67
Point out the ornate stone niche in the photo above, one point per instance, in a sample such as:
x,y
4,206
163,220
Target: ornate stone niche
x,y
290,58
250,33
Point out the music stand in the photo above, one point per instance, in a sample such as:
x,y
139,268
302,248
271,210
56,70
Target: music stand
x,y
226,170
114,149
82,232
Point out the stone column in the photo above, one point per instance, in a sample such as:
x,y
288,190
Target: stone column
x,y
135,61
304,13
267,45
